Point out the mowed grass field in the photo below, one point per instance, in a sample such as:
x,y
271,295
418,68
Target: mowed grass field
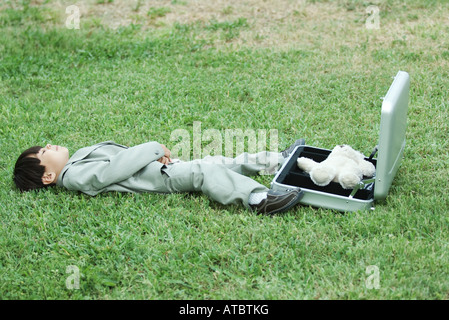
x,y
137,71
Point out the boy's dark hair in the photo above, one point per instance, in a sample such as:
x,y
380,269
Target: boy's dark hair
x,y
28,171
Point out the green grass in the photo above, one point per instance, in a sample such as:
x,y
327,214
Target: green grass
x,y
131,85
154,13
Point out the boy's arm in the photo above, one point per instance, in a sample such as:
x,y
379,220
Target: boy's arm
x,y
100,174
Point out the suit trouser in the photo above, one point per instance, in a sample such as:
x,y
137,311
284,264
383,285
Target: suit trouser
x,y
222,179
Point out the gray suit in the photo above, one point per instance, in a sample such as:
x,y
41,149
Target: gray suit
x,y
108,166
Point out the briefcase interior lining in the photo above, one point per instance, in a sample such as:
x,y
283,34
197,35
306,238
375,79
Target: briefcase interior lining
x,y
291,175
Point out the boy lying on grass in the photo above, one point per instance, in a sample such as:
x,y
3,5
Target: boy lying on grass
x,y
108,166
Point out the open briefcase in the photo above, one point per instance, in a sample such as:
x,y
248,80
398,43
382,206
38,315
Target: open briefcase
x,y
390,150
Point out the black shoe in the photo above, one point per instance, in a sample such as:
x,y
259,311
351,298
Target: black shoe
x,y
289,150
278,201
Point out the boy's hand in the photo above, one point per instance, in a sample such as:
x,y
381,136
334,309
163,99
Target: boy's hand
x,y
166,158
167,152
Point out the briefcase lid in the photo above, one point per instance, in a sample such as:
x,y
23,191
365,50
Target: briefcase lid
x,y
393,123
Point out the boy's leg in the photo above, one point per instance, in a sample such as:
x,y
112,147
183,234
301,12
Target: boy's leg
x,y
248,163
215,180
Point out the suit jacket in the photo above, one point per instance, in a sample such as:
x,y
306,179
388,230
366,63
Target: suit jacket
x,y
108,166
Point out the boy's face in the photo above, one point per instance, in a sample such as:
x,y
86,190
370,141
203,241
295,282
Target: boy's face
x,y
53,158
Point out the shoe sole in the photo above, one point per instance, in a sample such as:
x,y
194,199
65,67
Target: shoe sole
x,y
290,205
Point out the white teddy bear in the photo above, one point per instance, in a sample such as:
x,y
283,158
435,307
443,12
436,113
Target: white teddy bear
x,y
343,165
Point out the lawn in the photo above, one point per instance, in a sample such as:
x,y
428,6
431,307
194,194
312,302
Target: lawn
x,y
139,70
